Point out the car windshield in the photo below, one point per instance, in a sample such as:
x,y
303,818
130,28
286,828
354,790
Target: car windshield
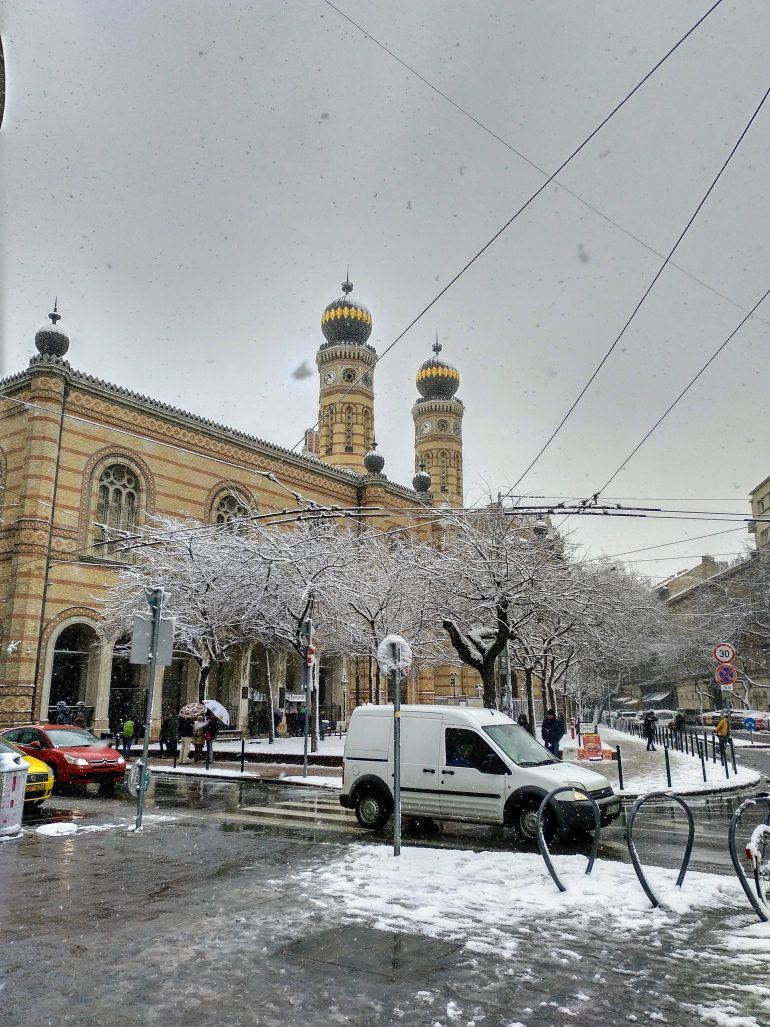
x,y
6,746
71,736
519,745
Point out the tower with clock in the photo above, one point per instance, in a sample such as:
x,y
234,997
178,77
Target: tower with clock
x,y
346,366
438,417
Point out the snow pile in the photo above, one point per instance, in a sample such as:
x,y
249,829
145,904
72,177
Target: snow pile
x,y
318,781
759,838
57,830
493,900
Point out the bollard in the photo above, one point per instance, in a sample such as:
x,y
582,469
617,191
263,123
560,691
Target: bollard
x,y
668,766
727,766
713,748
732,752
243,752
620,769
207,757
702,760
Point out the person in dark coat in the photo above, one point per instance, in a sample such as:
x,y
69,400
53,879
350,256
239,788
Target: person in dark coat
x,y
650,720
210,732
164,738
552,731
524,722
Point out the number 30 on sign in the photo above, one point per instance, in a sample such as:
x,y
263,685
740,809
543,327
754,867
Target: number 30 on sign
x,y
724,652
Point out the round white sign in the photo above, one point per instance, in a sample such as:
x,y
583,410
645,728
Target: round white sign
x,y
394,653
724,652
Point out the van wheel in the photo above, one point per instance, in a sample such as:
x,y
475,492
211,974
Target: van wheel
x,y
371,810
525,822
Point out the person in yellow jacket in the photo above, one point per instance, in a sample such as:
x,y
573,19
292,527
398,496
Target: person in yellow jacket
x,y
722,732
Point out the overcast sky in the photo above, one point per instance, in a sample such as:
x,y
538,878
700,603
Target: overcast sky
x,y
193,178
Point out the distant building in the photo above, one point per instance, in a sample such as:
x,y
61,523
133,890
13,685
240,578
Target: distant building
x,y
760,508
77,453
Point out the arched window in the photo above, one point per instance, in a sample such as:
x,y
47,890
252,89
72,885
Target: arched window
x,y
367,429
230,508
116,510
443,471
329,428
348,429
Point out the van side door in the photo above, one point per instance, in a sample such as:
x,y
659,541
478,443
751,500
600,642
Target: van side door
x,y
420,743
471,776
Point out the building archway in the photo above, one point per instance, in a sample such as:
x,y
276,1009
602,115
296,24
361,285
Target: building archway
x,y
74,675
128,687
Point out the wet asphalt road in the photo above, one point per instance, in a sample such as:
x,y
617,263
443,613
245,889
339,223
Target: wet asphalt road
x,y
187,923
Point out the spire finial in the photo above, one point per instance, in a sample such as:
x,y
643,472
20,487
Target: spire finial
x,y
54,315
437,345
347,285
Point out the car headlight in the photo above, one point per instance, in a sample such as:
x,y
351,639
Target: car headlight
x,y
121,761
76,761
578,796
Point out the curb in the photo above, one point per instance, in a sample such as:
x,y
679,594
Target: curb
x,y
693,791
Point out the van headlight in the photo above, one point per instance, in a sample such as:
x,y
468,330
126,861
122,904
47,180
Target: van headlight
x,y
576,795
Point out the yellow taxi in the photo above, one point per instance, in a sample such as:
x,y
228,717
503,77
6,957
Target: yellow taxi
x,y
39,777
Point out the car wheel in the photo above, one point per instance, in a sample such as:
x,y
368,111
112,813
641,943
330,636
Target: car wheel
x,y
525,822
371,810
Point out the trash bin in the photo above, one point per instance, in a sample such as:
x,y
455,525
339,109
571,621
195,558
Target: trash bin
x,y
13,780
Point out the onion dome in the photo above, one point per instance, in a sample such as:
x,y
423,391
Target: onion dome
x,y
374,461
51,341
346,320
421,481
436,379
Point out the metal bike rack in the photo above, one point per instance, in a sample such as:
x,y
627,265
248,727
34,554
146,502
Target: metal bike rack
x,y
757,901
541,843
632,847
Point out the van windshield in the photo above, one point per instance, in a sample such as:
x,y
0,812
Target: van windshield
x,y
519,745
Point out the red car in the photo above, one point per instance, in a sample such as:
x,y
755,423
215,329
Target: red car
x,y
76,756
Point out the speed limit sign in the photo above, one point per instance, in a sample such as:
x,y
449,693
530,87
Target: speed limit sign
x,y
724,652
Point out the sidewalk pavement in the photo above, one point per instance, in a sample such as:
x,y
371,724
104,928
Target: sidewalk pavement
x,y
646,771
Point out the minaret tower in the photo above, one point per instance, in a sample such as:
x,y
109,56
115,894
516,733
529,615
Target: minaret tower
x,y
438,440
345,363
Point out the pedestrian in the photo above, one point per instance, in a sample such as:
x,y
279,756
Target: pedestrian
x,y
723,733
678,728
128,736
210,732
552,731
62,714
524,722
277,718
164,737
649,722
185,733
80,715
198,739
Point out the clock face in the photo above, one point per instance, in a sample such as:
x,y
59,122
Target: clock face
x,y
348,375
426,427
443,425
367,380
330,377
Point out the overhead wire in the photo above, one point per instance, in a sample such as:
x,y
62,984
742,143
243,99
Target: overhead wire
x,y
479,253
684,392
644,295
528,160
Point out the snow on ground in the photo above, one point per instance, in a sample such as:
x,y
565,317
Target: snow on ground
x,y
494,901
322,782
646,772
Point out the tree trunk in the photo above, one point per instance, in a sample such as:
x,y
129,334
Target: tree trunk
x,y
530,694
489,680
371,680
314,712
271,718
202,680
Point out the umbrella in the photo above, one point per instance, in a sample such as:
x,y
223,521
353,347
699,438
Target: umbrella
x,y
217,709
192,710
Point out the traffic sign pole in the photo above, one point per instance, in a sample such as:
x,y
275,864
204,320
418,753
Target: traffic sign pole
x,y
307,633
155,599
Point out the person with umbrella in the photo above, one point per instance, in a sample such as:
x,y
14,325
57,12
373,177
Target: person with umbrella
x,y
210,732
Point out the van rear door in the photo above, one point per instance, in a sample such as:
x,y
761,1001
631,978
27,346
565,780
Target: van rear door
x,y
420,742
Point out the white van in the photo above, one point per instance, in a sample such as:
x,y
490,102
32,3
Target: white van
x,y
464,764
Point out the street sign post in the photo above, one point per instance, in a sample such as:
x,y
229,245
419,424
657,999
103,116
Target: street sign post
x,y
148,649
394,655
306,635
724,652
